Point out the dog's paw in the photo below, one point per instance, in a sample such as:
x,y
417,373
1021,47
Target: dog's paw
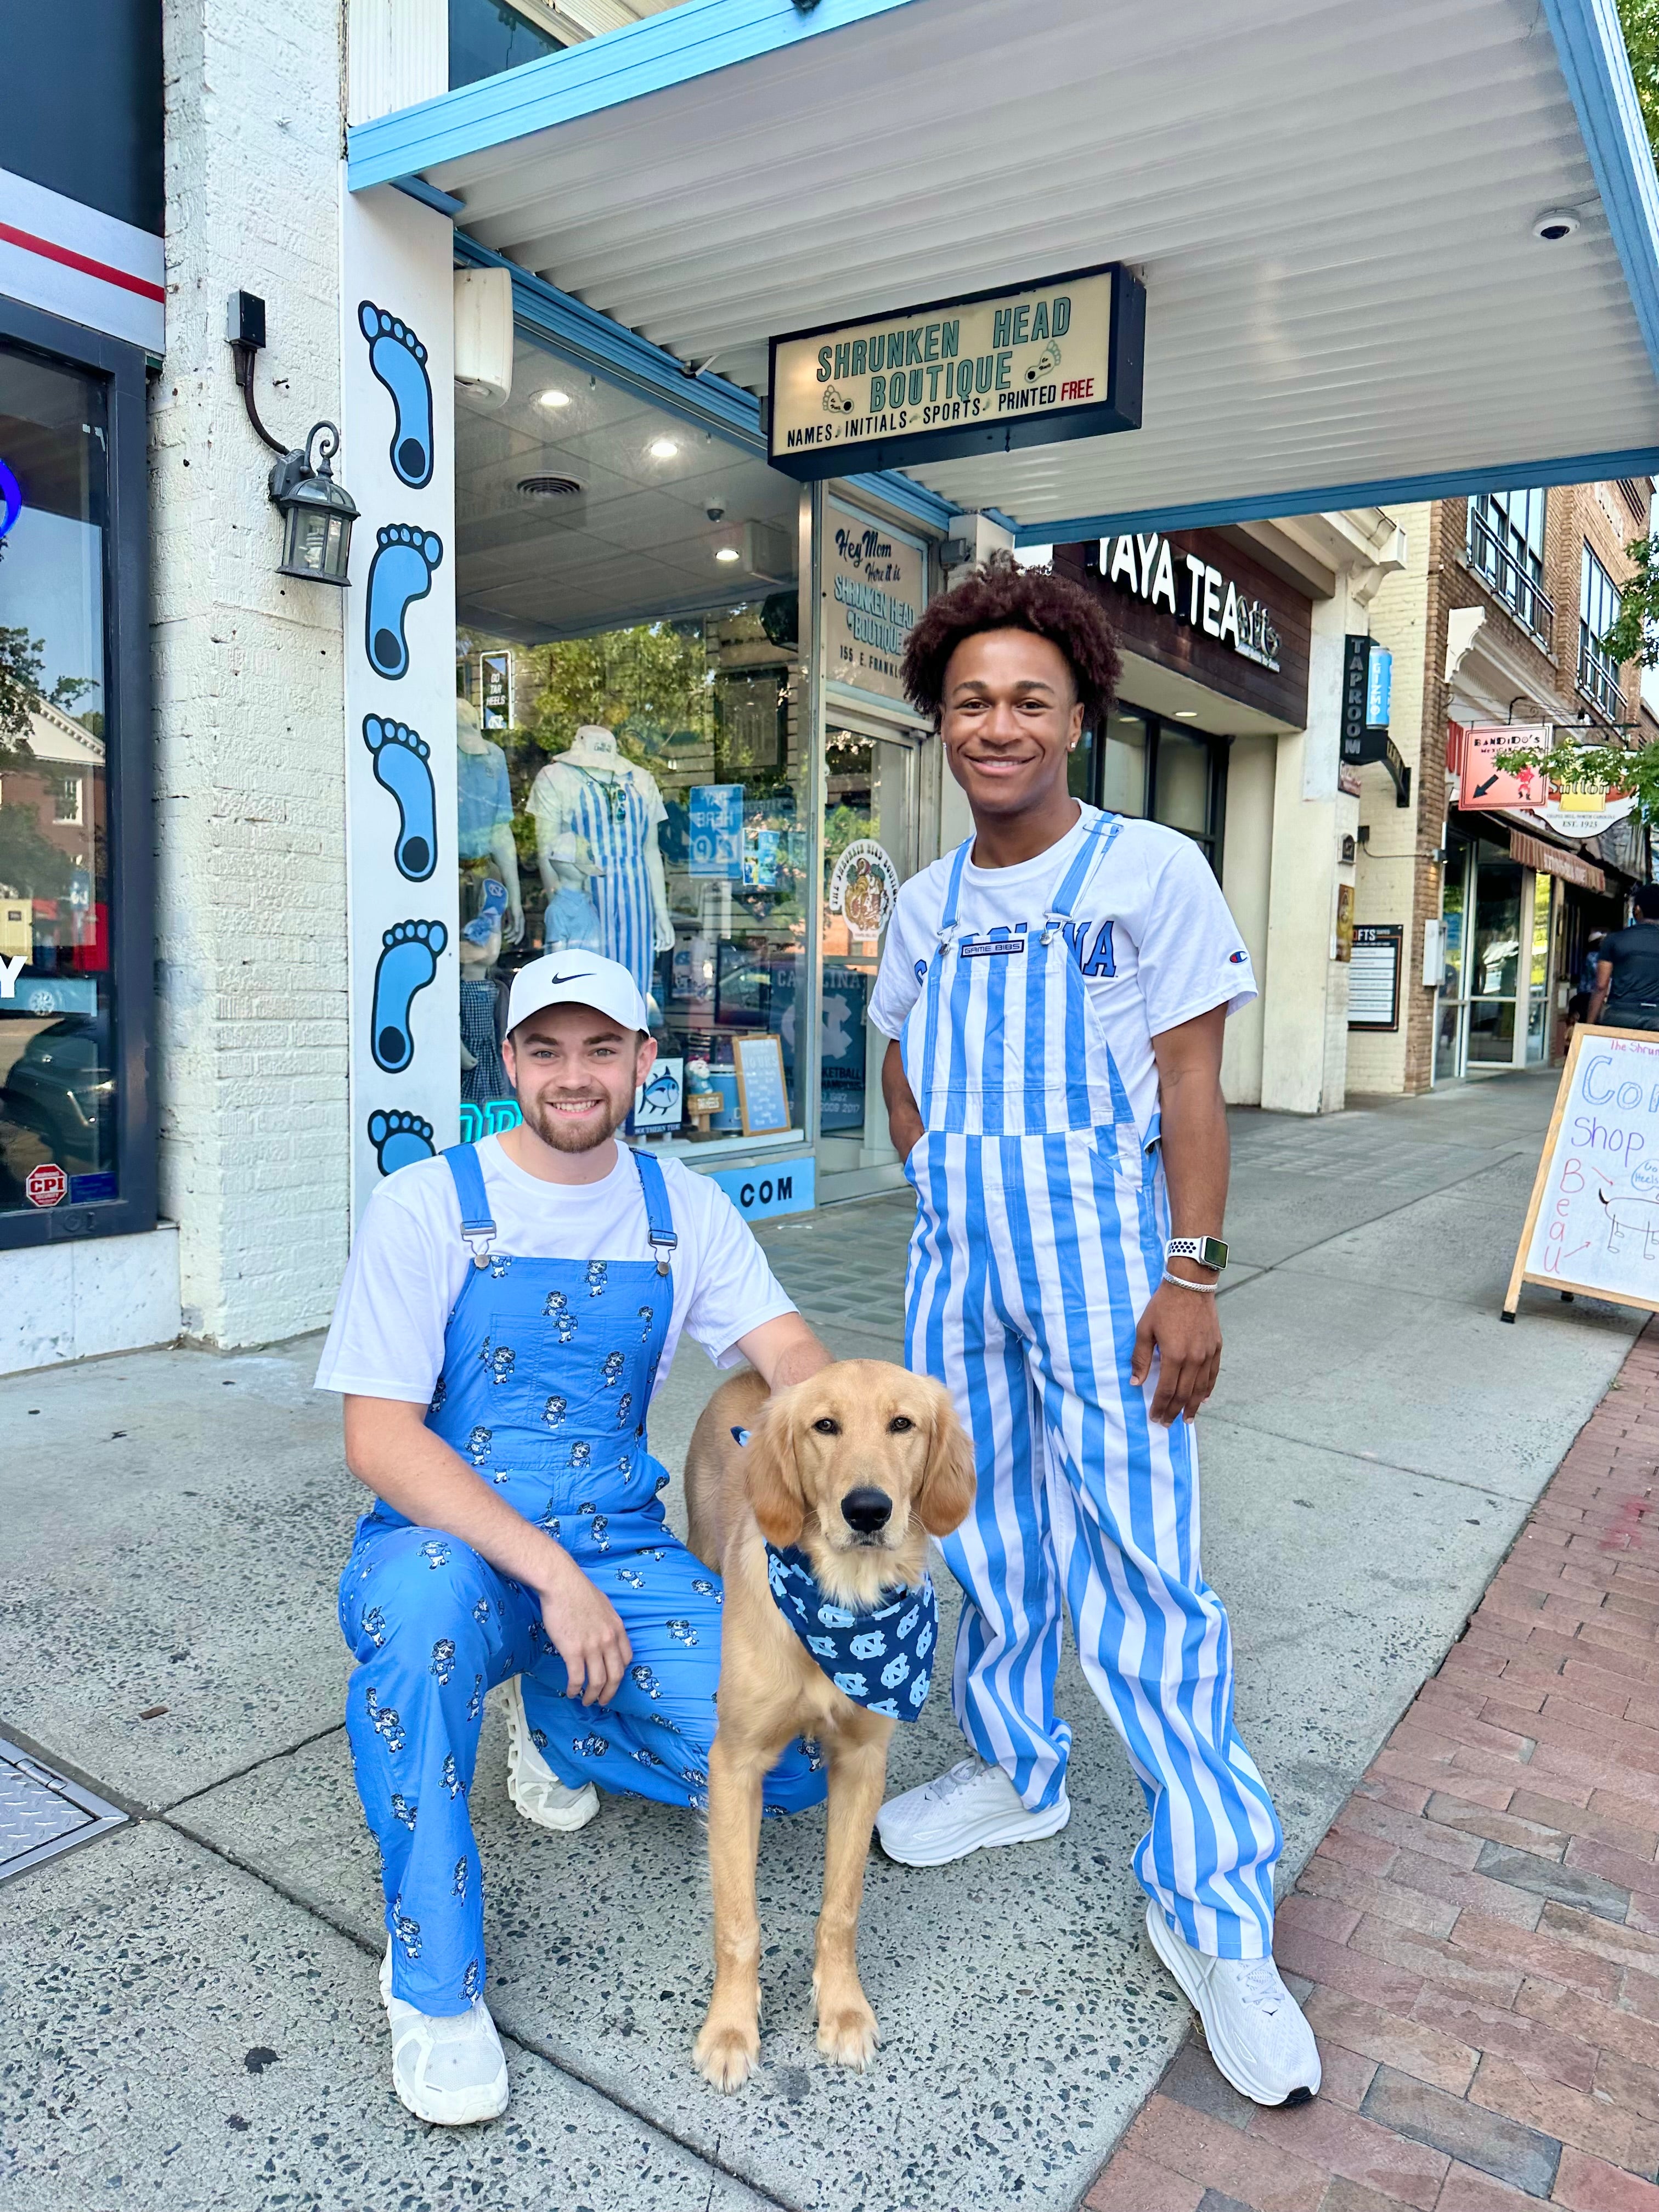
x,y
726,2054
847,2032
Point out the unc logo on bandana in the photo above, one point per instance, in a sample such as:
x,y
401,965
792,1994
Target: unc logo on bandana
x,y
903,1627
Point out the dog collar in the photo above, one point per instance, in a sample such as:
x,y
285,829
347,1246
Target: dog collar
x,y
877,1659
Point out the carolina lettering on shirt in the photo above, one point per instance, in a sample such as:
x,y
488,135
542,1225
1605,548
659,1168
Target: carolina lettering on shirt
x,y
1097,960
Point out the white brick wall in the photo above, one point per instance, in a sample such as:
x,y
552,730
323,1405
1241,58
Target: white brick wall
x,y
250,718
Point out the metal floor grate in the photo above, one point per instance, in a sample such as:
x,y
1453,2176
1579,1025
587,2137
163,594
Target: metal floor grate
x,y
42,1813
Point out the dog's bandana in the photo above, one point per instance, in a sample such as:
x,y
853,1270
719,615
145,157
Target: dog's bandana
x,y
880,1659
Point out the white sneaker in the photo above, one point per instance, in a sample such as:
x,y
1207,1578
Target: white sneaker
x,y
530,1782
1253,2025
971,1809
451,2071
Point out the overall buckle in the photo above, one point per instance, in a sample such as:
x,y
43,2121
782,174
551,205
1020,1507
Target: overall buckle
x,y
478,1237
662,1242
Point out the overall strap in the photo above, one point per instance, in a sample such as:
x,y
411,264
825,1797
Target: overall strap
x,y
658,1214
947,920
1093,849
477,1229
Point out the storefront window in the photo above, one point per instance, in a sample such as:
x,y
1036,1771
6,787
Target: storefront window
x,y
487,36
869,835
633,754
1539,1013
58,1103
1183,782
1123,780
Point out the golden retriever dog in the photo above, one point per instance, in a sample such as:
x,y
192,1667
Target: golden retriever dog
x,y
857,1467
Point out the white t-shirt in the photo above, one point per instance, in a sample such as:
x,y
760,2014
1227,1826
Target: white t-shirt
x,y
408,1264
1174,951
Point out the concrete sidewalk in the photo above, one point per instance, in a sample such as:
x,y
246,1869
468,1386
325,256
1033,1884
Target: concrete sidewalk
x,y
191,1999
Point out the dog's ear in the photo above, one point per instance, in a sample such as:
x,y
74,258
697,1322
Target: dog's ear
x,y
774,1486
946,1495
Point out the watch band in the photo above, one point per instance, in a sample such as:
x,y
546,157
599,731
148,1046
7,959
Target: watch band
x,y
1207,1251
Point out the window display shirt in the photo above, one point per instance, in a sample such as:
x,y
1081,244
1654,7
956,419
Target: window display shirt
x,y
483,798
1152,933
408,1264
618,815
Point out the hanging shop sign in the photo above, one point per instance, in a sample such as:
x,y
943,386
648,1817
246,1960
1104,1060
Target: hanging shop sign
x,y
875,586
1193,603
1481,783
864,886
983,373
1367,690
1582,810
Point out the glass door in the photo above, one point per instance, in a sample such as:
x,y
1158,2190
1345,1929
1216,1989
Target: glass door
x,y
1493,975
870,847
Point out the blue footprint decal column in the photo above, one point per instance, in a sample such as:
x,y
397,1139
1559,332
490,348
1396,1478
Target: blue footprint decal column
x,y
399,412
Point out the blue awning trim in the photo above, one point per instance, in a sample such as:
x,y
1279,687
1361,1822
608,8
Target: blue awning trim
x,y
682,43
609,349
1329,499
429,196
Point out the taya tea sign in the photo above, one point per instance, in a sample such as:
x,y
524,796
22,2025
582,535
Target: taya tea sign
x,y
981,375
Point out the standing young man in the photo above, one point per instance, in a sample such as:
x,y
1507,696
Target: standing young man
x,y
1626,992
1056,991
505,1317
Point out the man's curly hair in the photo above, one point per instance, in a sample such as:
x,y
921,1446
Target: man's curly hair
x,y
1003,596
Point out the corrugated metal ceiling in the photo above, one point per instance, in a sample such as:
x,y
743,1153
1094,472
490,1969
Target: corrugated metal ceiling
x,y
1331,205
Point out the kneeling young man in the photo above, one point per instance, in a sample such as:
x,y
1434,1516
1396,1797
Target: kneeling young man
x,y
1056,989
506,1315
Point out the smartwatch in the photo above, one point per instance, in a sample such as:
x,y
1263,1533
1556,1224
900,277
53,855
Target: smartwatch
x,y
1208,1251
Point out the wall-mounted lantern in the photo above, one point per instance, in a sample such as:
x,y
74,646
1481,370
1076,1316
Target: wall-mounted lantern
x,y
317,511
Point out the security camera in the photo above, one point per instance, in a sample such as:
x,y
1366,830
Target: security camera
x,y
1555,223
715,510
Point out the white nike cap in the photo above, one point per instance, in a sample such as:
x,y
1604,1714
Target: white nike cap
x,y
577,979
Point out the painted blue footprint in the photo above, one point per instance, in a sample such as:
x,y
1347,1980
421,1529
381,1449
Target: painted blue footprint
x,y
400,574
399,360
408,964
399,1139
401,755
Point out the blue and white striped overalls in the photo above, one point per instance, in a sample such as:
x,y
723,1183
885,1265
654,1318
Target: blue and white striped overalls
x,y
548,1366
1039,1239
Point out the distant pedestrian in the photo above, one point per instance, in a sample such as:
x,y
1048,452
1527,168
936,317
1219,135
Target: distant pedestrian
x,y
1626,994
1584,986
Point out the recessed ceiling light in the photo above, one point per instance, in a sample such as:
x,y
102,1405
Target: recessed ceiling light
x,y
1186,713
727,553
552,398
662,449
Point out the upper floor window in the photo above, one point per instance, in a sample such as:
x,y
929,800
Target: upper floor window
x,y
1506,550
1598,610
489,36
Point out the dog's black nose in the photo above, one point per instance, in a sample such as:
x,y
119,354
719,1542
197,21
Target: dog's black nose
x,y
866,1510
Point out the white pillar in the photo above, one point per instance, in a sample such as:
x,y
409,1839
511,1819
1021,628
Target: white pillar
x,y
249,711
1304,1039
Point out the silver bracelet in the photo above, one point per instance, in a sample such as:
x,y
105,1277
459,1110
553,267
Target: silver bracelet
x,y
1207,1290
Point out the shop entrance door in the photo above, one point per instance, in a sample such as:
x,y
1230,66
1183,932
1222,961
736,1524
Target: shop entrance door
x,y
1497,960
871,805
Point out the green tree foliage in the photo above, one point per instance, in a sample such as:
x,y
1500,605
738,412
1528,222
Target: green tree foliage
x,y
1640,20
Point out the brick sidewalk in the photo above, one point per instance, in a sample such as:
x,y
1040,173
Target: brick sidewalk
x,y
1477,1939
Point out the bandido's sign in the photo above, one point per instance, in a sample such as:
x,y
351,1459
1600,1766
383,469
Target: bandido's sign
x,y
983,374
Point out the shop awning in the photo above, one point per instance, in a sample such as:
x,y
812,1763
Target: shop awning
x,y
1333,207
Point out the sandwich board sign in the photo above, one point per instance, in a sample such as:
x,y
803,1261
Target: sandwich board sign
x,y
1592,1224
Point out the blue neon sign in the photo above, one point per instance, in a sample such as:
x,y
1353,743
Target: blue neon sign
x,y
11,499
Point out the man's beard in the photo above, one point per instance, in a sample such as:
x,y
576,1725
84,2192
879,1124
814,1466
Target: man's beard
x,y
565,1136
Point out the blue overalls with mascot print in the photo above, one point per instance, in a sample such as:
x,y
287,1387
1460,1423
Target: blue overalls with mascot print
x,y
548,1366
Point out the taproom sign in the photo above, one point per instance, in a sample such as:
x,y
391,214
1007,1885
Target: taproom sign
x,y
979,374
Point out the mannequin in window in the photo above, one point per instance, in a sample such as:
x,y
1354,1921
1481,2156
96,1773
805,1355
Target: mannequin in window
x,y
593,792
567,869
483,813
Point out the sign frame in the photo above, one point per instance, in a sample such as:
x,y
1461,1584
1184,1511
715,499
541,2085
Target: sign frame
x,y
1520,1272
1367,935
1119,409
760,1044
